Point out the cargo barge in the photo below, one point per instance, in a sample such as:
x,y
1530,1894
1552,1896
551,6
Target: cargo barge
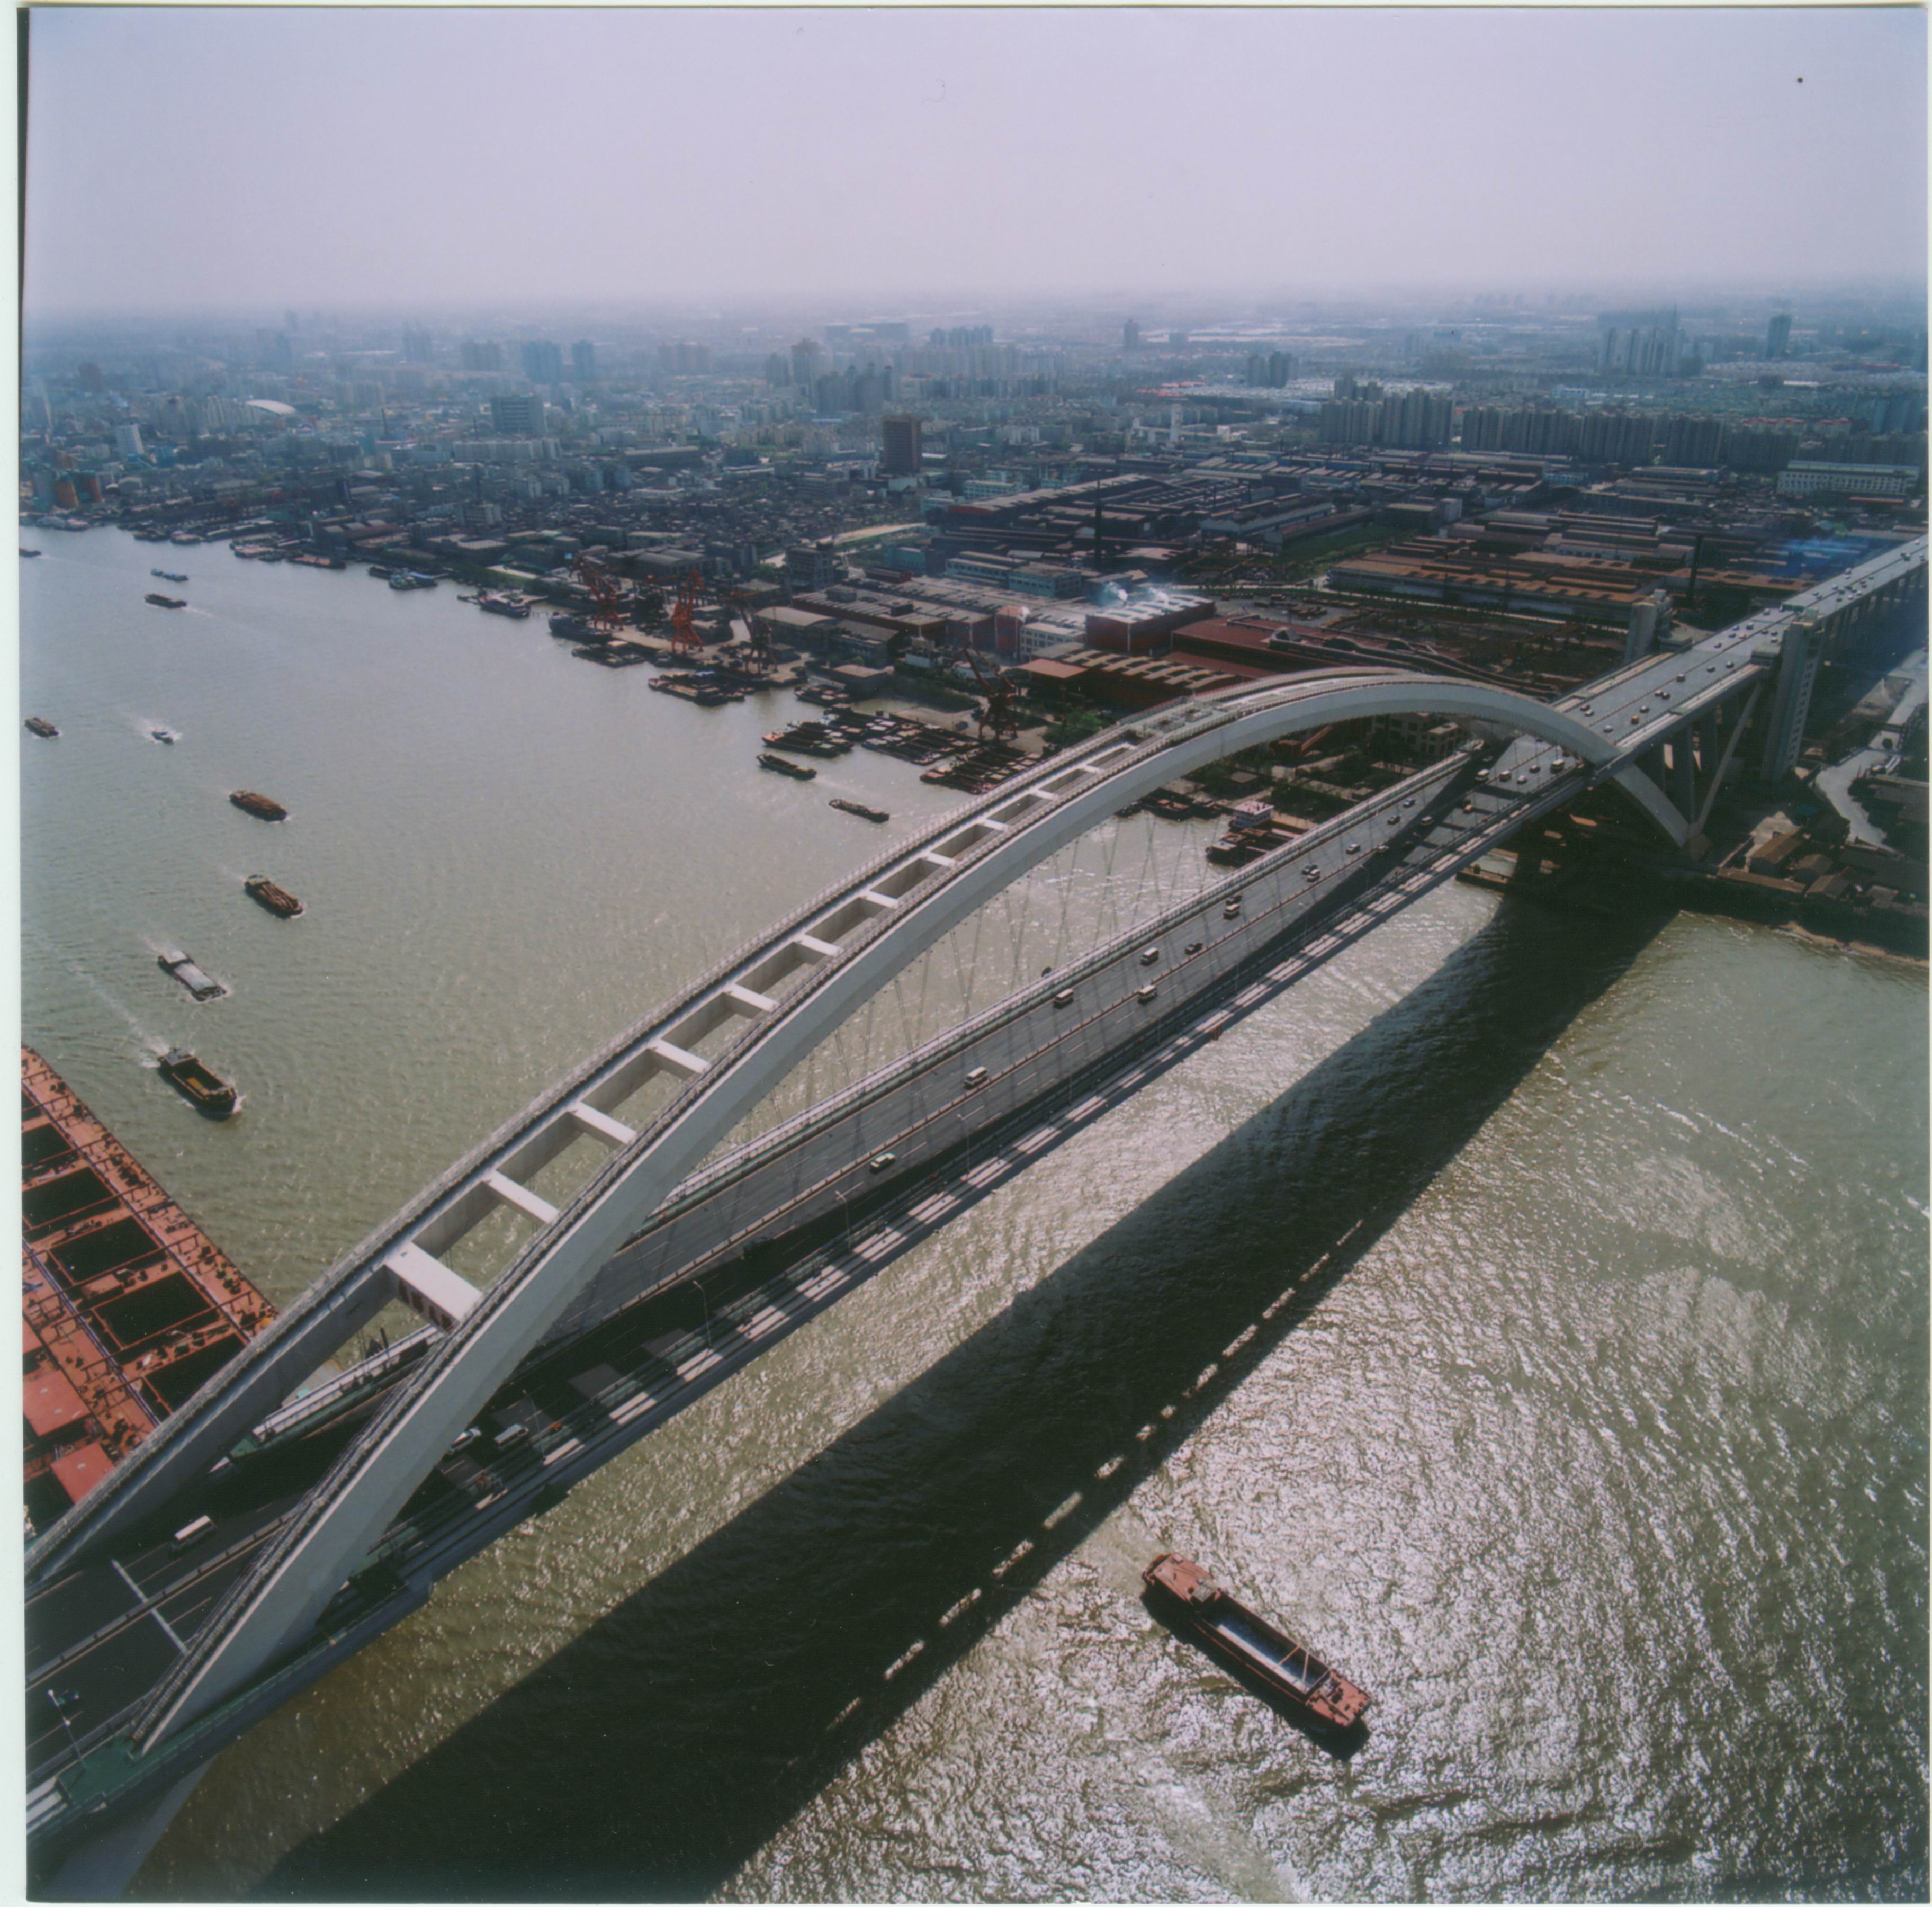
x,y
859,809
128,1306
168,576
39,725
203,1089
201,985
277,900
777,765
259,806
161,601
1246,1642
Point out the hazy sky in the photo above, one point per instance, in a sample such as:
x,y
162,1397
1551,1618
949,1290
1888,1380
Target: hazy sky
x,y
229,157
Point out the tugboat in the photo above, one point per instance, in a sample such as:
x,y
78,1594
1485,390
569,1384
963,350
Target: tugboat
x,y
859,809
1242,1639
161,601
39,725
167,735
778,765
202,986
207,1092
259,806
277,900
170,575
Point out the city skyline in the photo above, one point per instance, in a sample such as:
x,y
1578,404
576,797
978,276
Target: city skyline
x,y
241,158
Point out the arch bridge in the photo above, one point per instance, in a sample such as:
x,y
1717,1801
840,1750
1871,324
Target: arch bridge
x,y
569,1353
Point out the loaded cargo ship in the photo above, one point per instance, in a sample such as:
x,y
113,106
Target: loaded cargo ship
x,y
259,806
277,900
777,765
128,1306
204,1088
1245,1641
202,986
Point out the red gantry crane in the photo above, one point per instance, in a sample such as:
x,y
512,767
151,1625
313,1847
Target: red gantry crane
x,y
683,635
606,617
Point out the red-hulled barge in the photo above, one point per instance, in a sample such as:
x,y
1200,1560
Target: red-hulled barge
x,y
1243,1640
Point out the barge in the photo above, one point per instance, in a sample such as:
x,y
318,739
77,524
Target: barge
x,y
1245,1641
277,900
206,1091
161,601
503,605
859,809
778,765
203,986
259,806
169,575
39,725
167,735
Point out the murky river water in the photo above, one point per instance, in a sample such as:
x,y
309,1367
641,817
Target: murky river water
x,y
1532,1311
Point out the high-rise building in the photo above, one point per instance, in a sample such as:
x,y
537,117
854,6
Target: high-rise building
x,y
542,362
806,357
1645,345
1130,336
1777,338
127,440
1694,442
517,414
900,454
482,355
584,359
416,348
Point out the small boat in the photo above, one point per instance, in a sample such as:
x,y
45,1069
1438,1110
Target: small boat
x,y
207,1092
259,806
170,575
778,765
202,986
39,725
1242,1639
859,809
376,569
161,601
277,900
167,735
502,606
25,551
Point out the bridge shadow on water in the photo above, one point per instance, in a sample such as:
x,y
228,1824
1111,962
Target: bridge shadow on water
x,y
650,1758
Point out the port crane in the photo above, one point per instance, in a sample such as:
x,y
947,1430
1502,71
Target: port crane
x,y
757,637
683,635
998,715
606,616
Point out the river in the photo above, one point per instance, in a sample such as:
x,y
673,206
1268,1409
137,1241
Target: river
x,y
1529,1310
